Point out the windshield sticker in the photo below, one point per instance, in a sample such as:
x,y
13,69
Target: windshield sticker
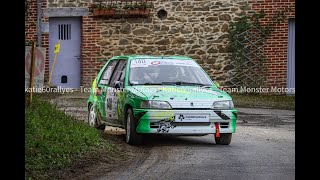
x,y
140,63
148,62
155,62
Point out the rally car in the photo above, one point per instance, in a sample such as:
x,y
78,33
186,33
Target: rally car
x,y
169,95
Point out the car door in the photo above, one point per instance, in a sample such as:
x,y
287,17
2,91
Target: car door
x,y
116,93
103,87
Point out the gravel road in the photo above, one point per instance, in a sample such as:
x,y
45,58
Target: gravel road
x,y
262,148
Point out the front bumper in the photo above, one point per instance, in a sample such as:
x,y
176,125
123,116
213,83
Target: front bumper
x,y
163,121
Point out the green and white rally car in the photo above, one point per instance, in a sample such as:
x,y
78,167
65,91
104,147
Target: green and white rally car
x,y
160,95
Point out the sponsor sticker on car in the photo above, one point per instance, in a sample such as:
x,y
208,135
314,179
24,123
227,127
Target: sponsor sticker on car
x,y
146,62
191,117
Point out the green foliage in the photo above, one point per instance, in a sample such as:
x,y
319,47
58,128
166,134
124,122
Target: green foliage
x,y
28,43
111,6
130,6
143,5
259,100
127,6
246,36
150,5
135,6
53,139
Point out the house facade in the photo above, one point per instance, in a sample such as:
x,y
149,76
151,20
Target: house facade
x,y
194,28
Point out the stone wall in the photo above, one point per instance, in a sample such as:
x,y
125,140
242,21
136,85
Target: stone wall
x,y
195,28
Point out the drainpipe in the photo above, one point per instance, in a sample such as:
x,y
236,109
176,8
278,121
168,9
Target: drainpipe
x,y
39,21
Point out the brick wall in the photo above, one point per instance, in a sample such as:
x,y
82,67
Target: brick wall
x,y
31,21
277,43
90,50
31,28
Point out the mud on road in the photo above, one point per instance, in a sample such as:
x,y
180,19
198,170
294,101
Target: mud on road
x,y
263,147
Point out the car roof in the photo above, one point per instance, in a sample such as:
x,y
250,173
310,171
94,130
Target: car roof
x,y
151,57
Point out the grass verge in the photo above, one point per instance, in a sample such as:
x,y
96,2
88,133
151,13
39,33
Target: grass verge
x,y
268,101
53,140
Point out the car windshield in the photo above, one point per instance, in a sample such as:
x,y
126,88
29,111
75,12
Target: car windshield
x,y
167,71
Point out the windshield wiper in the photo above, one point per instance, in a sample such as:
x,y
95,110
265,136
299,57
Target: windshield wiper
x,y
183,83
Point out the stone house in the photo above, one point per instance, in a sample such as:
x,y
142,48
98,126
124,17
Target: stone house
x,y
195,28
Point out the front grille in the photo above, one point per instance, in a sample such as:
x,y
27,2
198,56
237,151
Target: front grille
x,y
195,104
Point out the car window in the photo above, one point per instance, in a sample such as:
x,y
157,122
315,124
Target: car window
x,y
184,74
108,72
159,71
118,72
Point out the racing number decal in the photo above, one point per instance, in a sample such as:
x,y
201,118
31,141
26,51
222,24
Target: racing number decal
x,y
140,61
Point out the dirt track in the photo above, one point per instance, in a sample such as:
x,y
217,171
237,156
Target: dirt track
x,y
255,153
262,148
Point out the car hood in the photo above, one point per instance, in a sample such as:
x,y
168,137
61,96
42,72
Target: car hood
x,y
183,96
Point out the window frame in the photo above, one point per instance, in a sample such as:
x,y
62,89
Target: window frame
x,y
114,71
106,68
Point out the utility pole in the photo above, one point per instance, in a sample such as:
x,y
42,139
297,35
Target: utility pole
x,y
39,22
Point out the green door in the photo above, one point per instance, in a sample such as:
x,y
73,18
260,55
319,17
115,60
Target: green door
x,y
115,94
111,80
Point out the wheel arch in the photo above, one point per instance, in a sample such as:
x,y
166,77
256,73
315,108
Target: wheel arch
x,y
126,107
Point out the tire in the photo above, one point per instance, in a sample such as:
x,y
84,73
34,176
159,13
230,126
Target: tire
x,y
225,139
92,117
131,135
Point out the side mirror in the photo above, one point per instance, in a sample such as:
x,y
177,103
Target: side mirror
x,y
98,90
216,84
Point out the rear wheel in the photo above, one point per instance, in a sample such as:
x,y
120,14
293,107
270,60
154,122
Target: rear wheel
x,y
224,139
131,135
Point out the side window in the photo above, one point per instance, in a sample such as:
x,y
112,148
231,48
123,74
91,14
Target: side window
x,y
108,72
118,72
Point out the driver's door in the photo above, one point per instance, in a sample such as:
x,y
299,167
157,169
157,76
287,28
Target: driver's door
x,y
115,96
103,88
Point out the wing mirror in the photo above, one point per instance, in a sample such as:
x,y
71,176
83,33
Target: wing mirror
x,y
216,84
98,91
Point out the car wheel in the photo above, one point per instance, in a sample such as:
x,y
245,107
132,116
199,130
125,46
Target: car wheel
x,y
224,139
131,135
92,117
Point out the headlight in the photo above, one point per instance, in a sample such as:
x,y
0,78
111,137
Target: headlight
x,y
155,105
223,105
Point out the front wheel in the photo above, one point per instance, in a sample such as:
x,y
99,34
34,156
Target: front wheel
x,y
131,135
224,139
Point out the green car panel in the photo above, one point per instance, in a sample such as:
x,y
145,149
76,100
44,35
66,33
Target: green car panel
x,y
187,102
